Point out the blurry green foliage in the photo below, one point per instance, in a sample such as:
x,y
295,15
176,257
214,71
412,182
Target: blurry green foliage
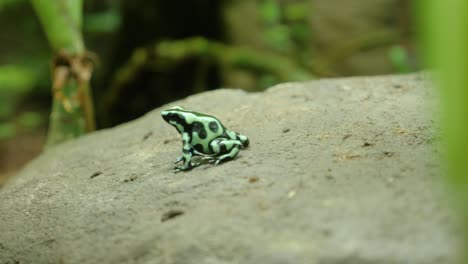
x,y
267,80
7,130
296,11
270,11
102,22
15,82
272,68
300,31
24,66
124,33
278,37
16,79
5,3
445,33
26,121
30,120
6,108
286,29
400,59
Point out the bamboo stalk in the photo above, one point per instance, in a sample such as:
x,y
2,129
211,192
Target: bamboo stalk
x,y
72,109
62,21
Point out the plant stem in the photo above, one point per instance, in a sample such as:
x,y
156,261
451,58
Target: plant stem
x,y
72,110
62,20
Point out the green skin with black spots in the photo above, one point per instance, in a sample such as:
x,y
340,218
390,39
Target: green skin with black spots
x,y
203,135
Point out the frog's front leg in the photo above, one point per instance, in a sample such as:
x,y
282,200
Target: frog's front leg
x,y
225,149
228,156
179,159
187,158
187,154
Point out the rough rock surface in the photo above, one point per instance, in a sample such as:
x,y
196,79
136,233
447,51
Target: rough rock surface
x,y
338,171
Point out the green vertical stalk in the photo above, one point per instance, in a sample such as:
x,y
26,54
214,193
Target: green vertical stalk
x,y
72,111
445,28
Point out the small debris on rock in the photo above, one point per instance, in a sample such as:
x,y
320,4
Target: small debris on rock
x,y
346,87
388,153
94,175
326,232
345,137
171,214
286,130
132,178
379,134
367,144
147,135
253,179
291,194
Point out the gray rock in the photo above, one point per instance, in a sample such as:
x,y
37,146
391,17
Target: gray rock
x,y
338,171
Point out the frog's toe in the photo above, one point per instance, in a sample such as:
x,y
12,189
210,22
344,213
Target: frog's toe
x,y
209,159
179,159
194,164
181,168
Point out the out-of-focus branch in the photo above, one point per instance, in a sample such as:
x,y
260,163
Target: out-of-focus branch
x,y
72,109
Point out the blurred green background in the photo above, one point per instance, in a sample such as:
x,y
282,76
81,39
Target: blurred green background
x,y
154,52
150,52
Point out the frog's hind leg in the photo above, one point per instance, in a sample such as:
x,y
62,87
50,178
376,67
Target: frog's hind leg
x,y
205,156
223,149
243,139
228,156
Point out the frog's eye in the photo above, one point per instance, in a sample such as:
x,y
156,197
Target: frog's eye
x,y
175,116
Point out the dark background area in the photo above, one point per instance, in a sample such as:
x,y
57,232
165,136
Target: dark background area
x,y
306,39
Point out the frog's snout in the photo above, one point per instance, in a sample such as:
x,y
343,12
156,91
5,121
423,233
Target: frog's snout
x,y
165,115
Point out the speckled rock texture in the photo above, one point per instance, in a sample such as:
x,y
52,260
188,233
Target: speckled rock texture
x,y
338,171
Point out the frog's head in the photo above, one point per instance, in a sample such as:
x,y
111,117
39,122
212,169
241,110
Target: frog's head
x,y
175,116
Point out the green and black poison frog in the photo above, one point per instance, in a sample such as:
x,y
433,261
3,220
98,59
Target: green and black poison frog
x,y
203,135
